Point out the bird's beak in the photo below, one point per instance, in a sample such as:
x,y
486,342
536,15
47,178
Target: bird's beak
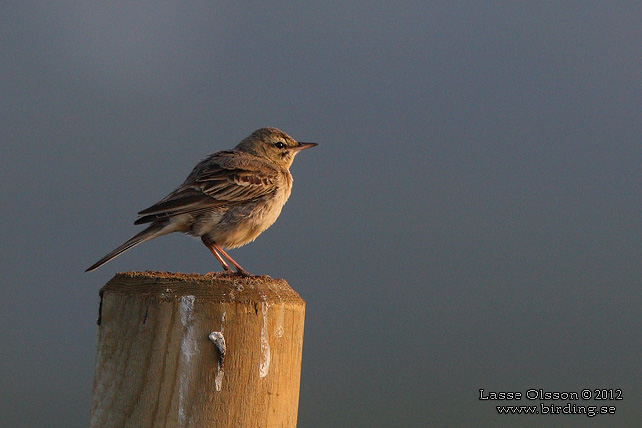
x,y
303,146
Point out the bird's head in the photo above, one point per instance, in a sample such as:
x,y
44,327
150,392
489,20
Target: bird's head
x,y
274,145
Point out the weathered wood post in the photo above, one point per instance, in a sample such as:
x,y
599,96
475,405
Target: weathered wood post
x,y
179,350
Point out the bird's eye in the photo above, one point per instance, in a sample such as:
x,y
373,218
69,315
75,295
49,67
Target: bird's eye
x,y
279,145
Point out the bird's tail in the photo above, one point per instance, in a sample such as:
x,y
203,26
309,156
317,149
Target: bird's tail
x,y
154,230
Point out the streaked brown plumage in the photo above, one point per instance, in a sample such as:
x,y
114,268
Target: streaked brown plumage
x,y
228,199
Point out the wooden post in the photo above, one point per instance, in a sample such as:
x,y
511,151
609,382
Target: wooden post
x,y
179,350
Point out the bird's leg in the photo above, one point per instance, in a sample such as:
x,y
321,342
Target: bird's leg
x,y
237,266
211,246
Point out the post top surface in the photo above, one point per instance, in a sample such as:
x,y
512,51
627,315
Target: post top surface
x,y
215,287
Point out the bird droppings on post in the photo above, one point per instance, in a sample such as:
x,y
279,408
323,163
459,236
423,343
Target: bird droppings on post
x,y
219,341
264,366
278,331
188,349
187,309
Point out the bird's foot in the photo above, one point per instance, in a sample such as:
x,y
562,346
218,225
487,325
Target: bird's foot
x,y
242,272
230,272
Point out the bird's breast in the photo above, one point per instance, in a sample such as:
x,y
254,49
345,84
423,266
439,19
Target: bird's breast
x,y
243,223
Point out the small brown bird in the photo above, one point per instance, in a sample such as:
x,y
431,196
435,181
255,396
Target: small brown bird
x,y
229,198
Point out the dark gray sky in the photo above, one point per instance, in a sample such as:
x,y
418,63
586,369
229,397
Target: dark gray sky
x,y
470,219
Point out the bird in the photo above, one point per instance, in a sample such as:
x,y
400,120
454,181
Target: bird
x,y
228,199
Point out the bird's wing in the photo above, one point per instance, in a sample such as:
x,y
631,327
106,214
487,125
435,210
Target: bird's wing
x,y
219,180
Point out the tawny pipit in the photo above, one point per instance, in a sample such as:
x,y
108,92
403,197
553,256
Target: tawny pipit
x,y
229,198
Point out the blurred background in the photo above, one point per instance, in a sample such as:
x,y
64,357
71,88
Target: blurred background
x,y
470,219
